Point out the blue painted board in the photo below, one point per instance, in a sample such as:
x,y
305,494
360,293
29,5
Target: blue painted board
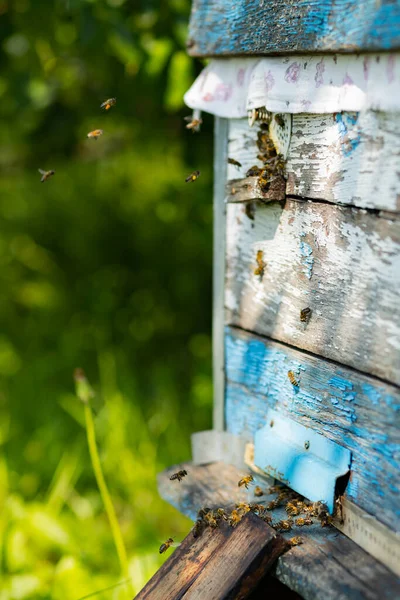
x,y
248,27
354,410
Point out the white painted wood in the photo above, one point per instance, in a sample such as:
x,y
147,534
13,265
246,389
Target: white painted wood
x,y
220,174
347,158
342,262
210,446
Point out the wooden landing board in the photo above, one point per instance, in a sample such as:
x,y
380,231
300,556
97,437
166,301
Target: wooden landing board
x,y
223,563
346,158
347,407
254,27
327,565
341,262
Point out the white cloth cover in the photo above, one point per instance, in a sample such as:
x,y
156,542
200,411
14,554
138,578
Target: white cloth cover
x,y
298,84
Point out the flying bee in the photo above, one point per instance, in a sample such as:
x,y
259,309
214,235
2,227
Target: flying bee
x,y
258,491
234,518
193,123
234,162
95,134
245,481
292,379
192,177
107,104
259,270
45,175
305,314
167,544
198,528
179,475
253,171
296,541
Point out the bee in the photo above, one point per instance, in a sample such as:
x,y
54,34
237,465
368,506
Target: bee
x,y
179,475
193,123
308,521
221,514
258,114
245,481
192,177
280,120
253,171
198,528
95,134
275,489
45,175
234,518
292,509
258,509
266,518
273,504
339,509
305,314
243,508
167,544
259,270
300,522
295,541
234,162
292,379
284,525
210,520
107,104
258,491
202,512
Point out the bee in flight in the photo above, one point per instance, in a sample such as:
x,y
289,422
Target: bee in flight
x,y
293,379
45,175
167,544
95,134
234,162
192,177
259,270
193,123
107,104
179,475
245,481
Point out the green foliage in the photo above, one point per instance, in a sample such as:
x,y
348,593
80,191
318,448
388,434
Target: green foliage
x,y
105,266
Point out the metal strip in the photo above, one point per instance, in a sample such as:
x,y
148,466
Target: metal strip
x,y
220,175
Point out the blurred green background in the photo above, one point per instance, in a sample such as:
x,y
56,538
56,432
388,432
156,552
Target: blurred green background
x,y
106,266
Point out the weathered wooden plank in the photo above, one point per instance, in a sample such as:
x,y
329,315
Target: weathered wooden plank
x,y
341,262
349,408
324,566
346,158
250,190
246,27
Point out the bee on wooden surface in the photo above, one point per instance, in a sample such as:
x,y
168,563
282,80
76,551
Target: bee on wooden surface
x,y
245,481
292,379
284,525
243,508
210,520
179,475
273,504
253,171
322,513
280,120
258,491
234,518
258,114
202,512
258,509
296,541
308,521
45,175
292,509
192,177
193,123
275,489
234,162
198,528
259,270
220,513
266,518
95,134
305,314
167,544
107,104
299,522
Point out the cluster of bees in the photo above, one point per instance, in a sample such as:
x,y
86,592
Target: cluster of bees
x,y
300,512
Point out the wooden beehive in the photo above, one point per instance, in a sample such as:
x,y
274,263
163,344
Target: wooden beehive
x,y
325,237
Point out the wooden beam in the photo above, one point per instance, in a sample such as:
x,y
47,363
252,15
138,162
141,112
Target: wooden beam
x,y
327,565
351,409
346,158
340,262
221,564
251,27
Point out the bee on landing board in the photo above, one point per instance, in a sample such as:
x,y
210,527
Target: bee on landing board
x,y
95,134
296,541
179,475
258,491
192,177
292,379
245,481
193,123
305,314
107,104
167,544
259,270
45,175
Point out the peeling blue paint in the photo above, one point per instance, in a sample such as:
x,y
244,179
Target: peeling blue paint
x,y
350,138
307,259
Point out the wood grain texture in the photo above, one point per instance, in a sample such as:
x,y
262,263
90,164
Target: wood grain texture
x,y
248,27
351,409
327,565
341,262
249,190
347,158
222,564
